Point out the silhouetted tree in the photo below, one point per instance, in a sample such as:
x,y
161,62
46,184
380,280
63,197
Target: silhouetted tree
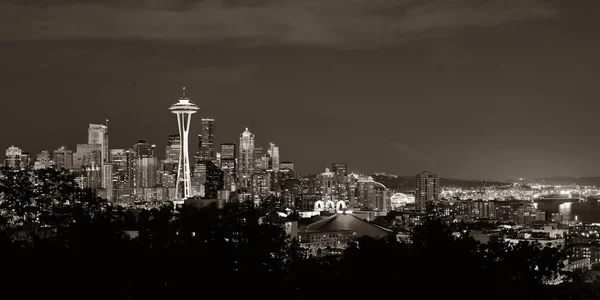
x,y
76,246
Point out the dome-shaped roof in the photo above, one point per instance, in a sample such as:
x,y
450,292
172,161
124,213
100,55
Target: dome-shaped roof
x,y
400,199
379,186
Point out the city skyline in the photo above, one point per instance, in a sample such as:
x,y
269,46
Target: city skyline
x,y
443,87
275,145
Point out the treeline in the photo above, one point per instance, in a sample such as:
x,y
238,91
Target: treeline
x,y
58,241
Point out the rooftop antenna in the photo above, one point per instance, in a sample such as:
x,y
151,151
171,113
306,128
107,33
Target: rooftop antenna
x,y
183,92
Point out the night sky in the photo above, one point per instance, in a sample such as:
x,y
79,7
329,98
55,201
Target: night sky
x,y
465,88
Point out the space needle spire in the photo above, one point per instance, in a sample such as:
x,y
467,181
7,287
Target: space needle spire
x,y
184,110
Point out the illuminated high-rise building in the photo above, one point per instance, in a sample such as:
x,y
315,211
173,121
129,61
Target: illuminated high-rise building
x,y
259,163
206,146
123,162
43,160
87,156
98,134
63,158
261,184
12,158
274,157
228,165
427,189
246,159
173,149
228,151
184,110
87,162
146,168
213,182
25,160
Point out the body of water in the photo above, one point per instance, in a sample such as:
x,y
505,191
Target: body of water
x,y
588,212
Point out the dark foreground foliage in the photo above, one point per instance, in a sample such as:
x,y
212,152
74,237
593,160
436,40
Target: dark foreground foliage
x,y
57,241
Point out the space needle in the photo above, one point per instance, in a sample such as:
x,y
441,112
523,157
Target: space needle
x,y
184,110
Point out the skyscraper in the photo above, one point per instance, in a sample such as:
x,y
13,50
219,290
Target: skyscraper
x,y
213,182
98,134
206,138
228,165
63,158
259,164
228,151
184,110
427,189
12,158
246,159
43,160
87,162
173,148
124,162
146,168
274,153
87,156
25,160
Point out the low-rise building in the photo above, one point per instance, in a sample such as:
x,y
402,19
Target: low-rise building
x,y
332,234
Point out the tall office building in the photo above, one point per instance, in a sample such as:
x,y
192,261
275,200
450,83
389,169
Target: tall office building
x,y
43,160
259,163
174,140
12,158
87,156
427,189
123,162
98,134
63,158
184,110
228,165
261,184
25,160
328,185
365,193
228,151
168,166
213,182
146,168
173,149
87,162
274,157
107,181
206,146
246,159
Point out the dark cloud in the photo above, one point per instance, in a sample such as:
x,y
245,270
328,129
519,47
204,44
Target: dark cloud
x,y
339,23
472,89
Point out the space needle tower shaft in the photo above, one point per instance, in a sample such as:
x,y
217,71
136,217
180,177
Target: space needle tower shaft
x,y
184,110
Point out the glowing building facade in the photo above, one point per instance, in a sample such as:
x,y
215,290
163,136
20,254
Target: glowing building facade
x,y
427,190
206,149
246,162
98,134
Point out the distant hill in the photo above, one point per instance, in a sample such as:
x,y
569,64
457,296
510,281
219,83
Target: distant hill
x,y
407,183
562,180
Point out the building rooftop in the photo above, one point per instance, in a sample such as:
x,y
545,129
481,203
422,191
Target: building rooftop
x,y
347,222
